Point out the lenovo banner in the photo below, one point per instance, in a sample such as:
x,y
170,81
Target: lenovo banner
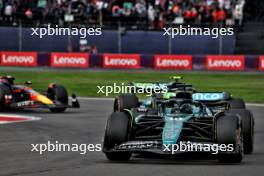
x,y
225,62
178,62
121,61
20,59
261,63
69,60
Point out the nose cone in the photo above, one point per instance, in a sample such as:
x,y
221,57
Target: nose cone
x,y
43,99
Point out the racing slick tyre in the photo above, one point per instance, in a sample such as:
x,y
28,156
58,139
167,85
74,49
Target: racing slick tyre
x,y
247,128
237,103
117,132
228,132
59,93
4,90
125,101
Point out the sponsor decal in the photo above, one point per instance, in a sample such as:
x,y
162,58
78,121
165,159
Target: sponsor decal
x,y
181,62
121,61
70,60
24,59
10,118
261,63
225,62
138,145
25,103
207,96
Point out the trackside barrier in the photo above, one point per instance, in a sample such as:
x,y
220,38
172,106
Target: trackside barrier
x,y
133,61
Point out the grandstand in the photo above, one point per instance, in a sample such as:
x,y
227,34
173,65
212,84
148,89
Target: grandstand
x,y
147,14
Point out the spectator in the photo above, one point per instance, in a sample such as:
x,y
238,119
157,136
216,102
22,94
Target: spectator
x,y
116,11
141,8
8,11
238,12
156,12
1,6
151,15
94,49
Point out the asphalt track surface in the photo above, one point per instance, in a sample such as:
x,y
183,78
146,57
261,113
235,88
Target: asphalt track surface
x,y
86,125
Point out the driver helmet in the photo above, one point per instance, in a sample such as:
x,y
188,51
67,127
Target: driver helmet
x,y
186,108
7,79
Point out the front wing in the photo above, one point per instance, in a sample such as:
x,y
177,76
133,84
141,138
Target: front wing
x,y
158,148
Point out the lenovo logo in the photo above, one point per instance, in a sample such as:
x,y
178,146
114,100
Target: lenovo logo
x,y
121,61
173,62
261,63
71,60
19,59
225,62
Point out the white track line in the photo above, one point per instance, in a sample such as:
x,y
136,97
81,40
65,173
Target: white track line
x,y
255,104
111,99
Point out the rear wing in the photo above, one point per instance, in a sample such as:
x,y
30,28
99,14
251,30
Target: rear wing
x,y
167,86
148,86
211,96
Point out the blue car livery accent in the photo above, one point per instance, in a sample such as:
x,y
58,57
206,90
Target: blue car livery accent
x,y
208,96
173,128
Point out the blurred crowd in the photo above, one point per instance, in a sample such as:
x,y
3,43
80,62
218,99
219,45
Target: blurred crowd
x,y
154,13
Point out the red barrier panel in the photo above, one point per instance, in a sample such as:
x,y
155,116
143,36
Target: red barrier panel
x,y
225,62
180,62
121,61
21,59
261,63
69,60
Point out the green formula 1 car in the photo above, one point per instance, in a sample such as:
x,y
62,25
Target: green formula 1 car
x,y
136,128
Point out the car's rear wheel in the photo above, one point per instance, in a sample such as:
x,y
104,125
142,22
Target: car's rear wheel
x,y
60,94
4,91
247,128
237,103
125,101
117,132
228,132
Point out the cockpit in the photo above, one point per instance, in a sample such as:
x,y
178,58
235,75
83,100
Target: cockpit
x,y
176,107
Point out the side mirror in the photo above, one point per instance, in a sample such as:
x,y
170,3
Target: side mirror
x,y
28,83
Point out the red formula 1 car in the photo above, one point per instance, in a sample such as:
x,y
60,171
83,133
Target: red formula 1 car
x,y
14,96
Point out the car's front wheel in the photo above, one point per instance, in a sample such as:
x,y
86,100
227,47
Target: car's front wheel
x,y
58,93
4,91
247,128
117,132
229,133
